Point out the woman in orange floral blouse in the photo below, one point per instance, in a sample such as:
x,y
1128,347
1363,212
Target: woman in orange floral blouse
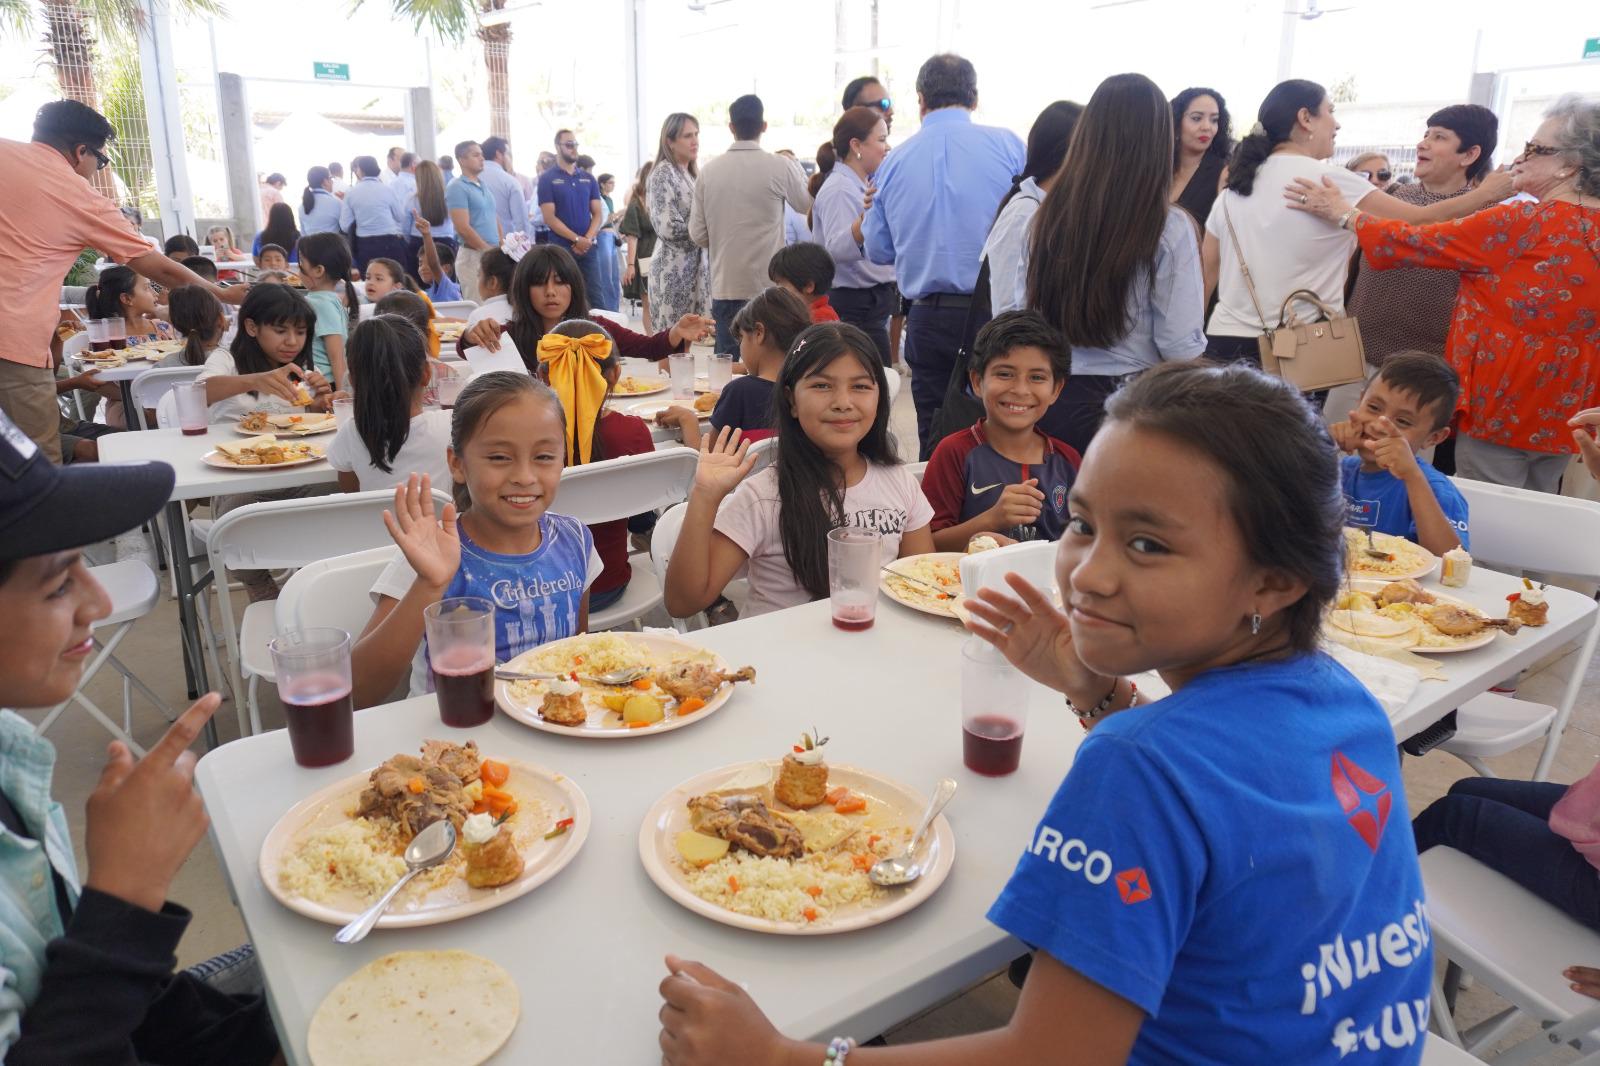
x,y
1526,334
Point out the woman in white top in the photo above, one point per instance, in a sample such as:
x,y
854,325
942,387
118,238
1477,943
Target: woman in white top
x,y
1288,250
1007,242
863,292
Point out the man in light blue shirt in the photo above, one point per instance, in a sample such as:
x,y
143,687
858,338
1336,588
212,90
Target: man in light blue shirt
x,y
937,195
372,216
404,185
510,206
472,212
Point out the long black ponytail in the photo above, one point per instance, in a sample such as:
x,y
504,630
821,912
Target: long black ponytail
x,y
388,366
1275,121
197,315
103,299
308,199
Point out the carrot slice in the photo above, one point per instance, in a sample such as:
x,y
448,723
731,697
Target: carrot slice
x,y
836,794
850,804
810,913
690,705
861,862
494,773
643,684
733,883
814,891
417,786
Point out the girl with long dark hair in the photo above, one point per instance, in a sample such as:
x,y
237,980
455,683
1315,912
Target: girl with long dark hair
x,y
389,436
1286,250
1047,147
325,270
836,466
1201,144
198,317
1111,263
546,290
279,231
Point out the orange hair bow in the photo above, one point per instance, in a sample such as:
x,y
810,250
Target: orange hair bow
x,y
573,367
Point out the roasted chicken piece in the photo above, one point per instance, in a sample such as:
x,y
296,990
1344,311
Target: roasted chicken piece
x,y
1407,591
746,822
1455,621
698,681
493,863
462,760
564,709
414,794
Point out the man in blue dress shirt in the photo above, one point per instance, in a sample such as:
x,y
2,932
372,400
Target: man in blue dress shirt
x,y
937,195
510,206
372,216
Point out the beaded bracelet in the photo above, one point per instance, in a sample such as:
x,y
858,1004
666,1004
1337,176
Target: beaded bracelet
x,y
838,1048
1099,710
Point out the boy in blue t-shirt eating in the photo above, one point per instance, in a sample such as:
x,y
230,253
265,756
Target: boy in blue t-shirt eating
x,y
1004,476
1405,409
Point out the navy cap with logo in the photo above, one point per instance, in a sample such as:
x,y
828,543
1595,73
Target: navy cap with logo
x,y
47,508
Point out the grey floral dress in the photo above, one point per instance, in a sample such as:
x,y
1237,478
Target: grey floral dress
x,y
680,281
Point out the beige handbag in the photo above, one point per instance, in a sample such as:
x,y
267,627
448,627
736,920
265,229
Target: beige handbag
x,y
1309,355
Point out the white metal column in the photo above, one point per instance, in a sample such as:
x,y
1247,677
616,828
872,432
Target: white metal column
x,y
159,73
642,143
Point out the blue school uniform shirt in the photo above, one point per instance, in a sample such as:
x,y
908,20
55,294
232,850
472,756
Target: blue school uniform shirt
x,y
537,597
1237,861
1378,500
443,290
745,403
333,319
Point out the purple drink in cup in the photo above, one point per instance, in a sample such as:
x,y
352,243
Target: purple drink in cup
x,y
460,633
313,671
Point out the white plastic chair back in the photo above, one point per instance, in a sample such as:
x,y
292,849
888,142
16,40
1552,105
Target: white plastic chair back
x,y
365,311
332,592
153,384
75,344
1519,529
454,308
626,486
1034,560
600,314
916,470
167,410
765,452
665,537
1440,1052
893,376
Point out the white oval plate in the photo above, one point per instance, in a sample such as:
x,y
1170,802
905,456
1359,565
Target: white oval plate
x,y
890,591
542,859
601,724
670,815
214,458
1375,585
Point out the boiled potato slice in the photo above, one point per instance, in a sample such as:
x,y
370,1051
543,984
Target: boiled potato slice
x,y
644,709
615,701
699,849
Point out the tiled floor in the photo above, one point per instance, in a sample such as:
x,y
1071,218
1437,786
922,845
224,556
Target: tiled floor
x,y
151,650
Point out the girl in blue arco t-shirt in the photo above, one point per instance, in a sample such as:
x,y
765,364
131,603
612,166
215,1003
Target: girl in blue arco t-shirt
x,y
1227,873
508,443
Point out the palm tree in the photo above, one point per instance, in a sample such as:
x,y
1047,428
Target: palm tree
x,y
68,37
451,19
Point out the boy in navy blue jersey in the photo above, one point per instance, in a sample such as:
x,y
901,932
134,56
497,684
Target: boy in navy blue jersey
x,y
1405,409
1004,477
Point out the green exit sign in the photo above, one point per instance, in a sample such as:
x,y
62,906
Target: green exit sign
x,y
341,71
1591,48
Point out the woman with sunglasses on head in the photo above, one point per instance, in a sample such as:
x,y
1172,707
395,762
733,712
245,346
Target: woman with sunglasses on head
x,y
1374,166
1526,334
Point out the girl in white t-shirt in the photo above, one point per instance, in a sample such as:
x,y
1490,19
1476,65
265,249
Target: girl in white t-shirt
x,y
390,435
836,466
1286,250
269,360
494,283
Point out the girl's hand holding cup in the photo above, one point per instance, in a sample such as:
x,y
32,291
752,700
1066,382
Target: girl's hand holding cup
x,y
1033,633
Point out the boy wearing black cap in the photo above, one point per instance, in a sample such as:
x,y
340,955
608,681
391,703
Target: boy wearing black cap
x,y
86,968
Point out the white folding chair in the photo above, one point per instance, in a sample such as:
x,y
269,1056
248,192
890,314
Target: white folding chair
x,y
893,377
149,387
76,344
917,470
454,308
1034,560
1437,1051
662,540
1515,944
1517,529
275,535
620,488
332,592
765,452
602,315
133,590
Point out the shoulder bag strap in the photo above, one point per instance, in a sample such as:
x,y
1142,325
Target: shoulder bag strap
x,y
1244,268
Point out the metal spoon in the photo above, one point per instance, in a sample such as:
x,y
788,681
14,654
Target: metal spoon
x,y
901,869
428,848
614,677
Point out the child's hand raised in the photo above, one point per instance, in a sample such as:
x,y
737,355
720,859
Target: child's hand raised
x,y
432,546
1393,453
724,462
1346,437
690,328
1019,505
1033,633
423,228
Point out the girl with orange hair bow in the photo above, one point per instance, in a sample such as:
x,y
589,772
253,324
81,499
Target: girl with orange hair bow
x,y
579,361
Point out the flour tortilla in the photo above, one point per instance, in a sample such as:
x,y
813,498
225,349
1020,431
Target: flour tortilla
x,y
1370,624
444,1008
239,447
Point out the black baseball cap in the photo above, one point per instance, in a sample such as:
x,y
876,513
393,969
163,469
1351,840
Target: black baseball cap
x,y
47,508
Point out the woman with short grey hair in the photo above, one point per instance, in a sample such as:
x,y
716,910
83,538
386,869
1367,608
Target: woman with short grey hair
x,y
1526,336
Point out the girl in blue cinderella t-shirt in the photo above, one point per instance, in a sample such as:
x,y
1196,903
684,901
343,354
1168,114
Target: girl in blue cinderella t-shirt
x,y
508,445
1227,874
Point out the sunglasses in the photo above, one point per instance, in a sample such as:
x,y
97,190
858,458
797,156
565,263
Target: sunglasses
x,y
569,144
1535,148
1381,175
882,105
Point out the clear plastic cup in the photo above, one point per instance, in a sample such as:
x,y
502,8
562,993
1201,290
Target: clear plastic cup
x,y
99,334
994,709
680,366
119,332
720,371
344,409
854,558
450,382
313,671
460,634
189,397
